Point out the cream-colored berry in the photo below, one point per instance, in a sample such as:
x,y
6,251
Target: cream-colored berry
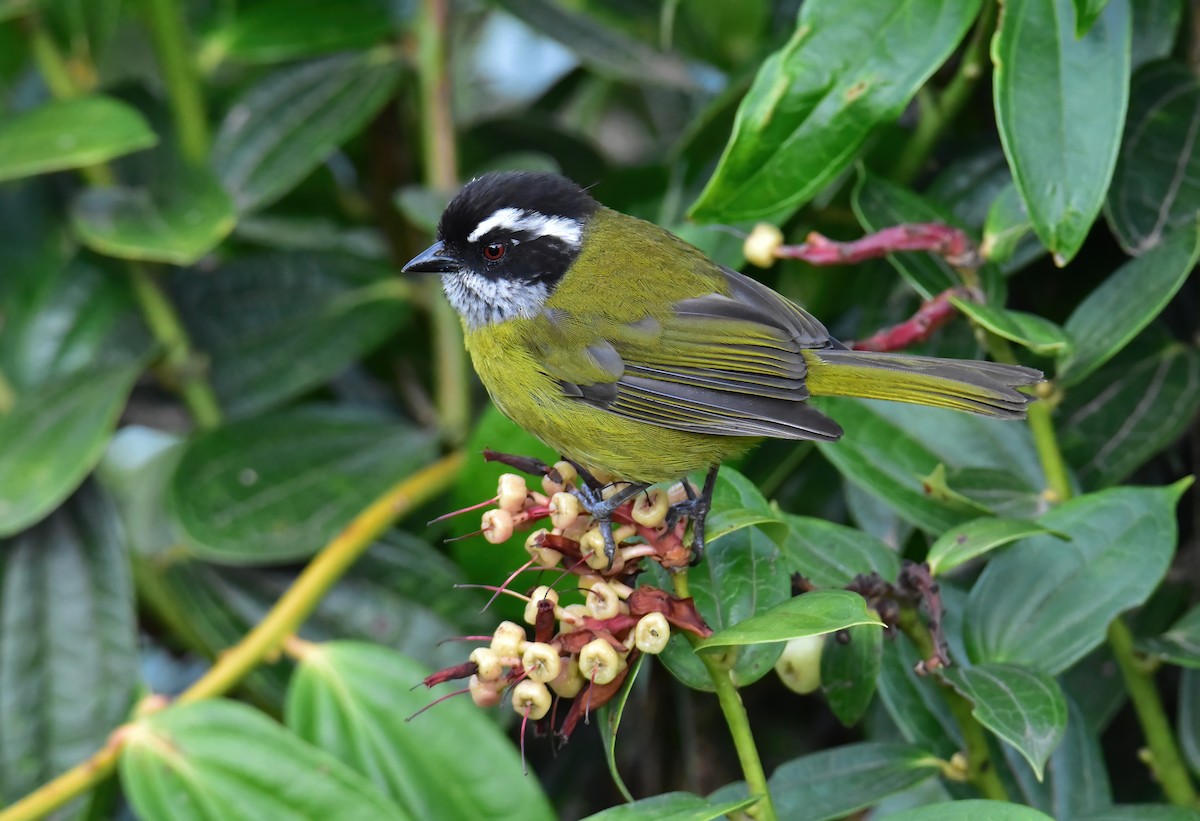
x,y
567,475
531,699
484,693
599,662
651,633
592,547
508,641
542,593
511,492
533,542
487,660
799,667
571,617
497,526
759,248
541,662
650,508
564,509
570,681
603,602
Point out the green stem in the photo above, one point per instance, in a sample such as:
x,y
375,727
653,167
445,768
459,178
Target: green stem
x,y
453,396
179,359
1041,425
8,395
176,59
1165,759
980,770
937,117
738,722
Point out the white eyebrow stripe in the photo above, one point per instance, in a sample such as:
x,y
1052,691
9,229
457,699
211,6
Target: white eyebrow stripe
x,y
516,219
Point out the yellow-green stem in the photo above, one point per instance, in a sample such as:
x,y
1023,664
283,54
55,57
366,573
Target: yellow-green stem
x,y
1041,425
177,61
8,395
736,719
1165,759
269,636
441,173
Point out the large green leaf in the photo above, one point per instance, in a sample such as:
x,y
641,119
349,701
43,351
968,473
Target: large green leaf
x,y
1145,812
276,488
1129,410
1024,707
1086,13
280,30
177,218
355,700
815,101
1121,543
915,703
277,325
287,124
1156,188
974,809
810,614
52,438
1127,302
837,782
1155,29
1180,644
221,759
68,641
737,503
1060,107
70,134
673,806
831,555
850,663
962,544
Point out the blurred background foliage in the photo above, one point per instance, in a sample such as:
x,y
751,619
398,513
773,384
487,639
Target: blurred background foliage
x,y
209,368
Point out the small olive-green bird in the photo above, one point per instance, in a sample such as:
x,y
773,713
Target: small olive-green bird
x,y
638,358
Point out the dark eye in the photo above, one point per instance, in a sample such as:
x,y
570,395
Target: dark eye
x,y
494,252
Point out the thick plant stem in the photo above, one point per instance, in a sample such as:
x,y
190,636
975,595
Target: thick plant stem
x,y
738,722
1041,425
441,173
176,59
1165,759
329,565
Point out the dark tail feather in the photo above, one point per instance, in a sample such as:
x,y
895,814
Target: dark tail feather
x,y
986,388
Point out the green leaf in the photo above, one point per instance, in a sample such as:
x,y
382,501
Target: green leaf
x,y
52,438
287,124
1006,225
673,806
915,703
891,450
961,544
10,9
281,30
70,134
1060,107
974,809
1128,411
1030,331
177,219
1178,645
811,614
248,493
1086,14
68,641
1144,812
1155,29
1022,706
815,101
831,555
221,759
1127,301
606,50
850,670
355,701
275,326
837,782
740,577
1156,188
1121,543
610,723
737,503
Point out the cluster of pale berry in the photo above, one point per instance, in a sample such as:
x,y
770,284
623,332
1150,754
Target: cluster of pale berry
x,y
585,645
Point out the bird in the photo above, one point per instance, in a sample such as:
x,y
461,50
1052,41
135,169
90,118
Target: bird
x,y
640,360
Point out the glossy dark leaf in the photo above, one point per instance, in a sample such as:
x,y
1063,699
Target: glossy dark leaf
x,y
70,134
355,701
610,725
975,809
1086,12
1188,721
1155,29
811,614
736,504
962,544
834,783
277,325
850,665
1128,301
281,30
68,641
915,703
1121,543
287,124
1156,188
248,492
831,555
1144,812
1060,107
1024,707
221,759
1178,645
815,101
52,438
1007,224
673,806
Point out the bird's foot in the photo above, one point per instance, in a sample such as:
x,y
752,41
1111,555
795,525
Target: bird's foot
x,y
601,510
696,509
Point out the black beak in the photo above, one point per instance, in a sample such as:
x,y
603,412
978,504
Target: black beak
x,y
436,259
